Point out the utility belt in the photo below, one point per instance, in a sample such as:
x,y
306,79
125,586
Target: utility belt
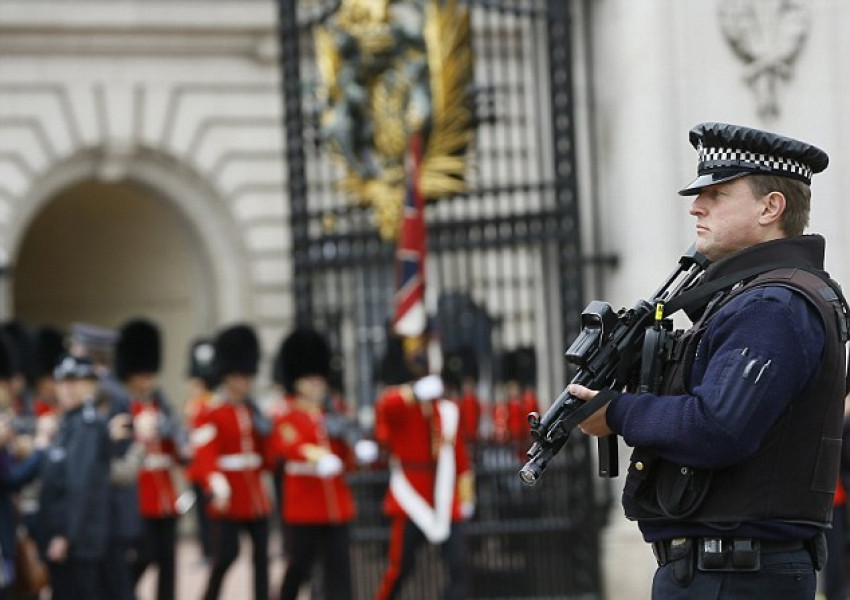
x,y
728,555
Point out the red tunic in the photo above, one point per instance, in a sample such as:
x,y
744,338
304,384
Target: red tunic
x,y
156,487
196,407
226,442
308,498
41,407
411,432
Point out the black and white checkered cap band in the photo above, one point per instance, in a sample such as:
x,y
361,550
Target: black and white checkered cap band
x,y
724,158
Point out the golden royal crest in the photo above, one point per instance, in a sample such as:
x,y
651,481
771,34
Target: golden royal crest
x,y
392,68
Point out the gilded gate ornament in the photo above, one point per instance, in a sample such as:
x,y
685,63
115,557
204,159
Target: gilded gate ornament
x,y
392,68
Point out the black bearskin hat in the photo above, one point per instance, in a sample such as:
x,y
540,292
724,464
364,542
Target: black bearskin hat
x,y
393,369
22,339
508,367
526,362
201,357
138,349
49,346
236,350
8,357
304,352
458,365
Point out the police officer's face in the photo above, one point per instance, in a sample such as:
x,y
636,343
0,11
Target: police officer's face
x,y
730,218
66,394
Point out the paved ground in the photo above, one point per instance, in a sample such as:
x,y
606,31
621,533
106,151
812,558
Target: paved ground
x,y
192,573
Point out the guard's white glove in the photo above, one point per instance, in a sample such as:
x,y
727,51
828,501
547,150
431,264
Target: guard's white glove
x,y
328,466
428,388
220,490
366,451
146,426
185,502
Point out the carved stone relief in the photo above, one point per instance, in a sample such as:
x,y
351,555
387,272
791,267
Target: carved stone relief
x,y
768,36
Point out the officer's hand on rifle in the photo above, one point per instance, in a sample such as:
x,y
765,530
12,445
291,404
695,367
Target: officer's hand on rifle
x,y
596,424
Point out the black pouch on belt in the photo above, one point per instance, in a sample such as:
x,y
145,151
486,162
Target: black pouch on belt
x,y
680,557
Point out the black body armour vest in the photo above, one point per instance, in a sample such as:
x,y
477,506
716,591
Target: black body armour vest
x,y
793,475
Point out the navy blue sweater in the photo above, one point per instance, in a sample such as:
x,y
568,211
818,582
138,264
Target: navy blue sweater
x,y
774,330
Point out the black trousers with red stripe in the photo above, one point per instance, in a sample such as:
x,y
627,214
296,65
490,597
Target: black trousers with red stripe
x,y
405,541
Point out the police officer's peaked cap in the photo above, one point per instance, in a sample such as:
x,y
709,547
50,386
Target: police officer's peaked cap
x,y
201,356
74,367
138,349
236,350
93,337
727,152
303,352
49,346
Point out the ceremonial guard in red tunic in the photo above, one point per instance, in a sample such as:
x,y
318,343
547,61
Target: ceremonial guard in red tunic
x,y
137,364
317,505
431,483
230,446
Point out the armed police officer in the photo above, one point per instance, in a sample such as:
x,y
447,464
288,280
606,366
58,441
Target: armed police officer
x,y
736,457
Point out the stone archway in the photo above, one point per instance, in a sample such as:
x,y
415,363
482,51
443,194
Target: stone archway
x,y
149,243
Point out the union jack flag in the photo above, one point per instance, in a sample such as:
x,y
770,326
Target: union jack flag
x,y
410,316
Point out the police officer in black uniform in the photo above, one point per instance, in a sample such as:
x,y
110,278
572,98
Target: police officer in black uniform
x,y
74,493
736,455
97,344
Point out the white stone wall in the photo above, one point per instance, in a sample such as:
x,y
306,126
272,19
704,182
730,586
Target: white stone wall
x,y
181,97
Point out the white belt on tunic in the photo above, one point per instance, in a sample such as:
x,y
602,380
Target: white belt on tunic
x,y
239,462
158,462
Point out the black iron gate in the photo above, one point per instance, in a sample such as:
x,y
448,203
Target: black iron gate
x,y
505,272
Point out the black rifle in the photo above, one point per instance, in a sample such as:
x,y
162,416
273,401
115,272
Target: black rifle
x,y
608,353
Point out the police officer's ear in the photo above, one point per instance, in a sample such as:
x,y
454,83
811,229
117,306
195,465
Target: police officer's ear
x,y
773,207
